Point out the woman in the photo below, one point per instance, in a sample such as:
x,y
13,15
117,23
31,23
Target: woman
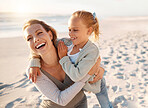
x,y
57,88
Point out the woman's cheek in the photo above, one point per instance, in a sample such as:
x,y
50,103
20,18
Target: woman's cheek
x,y
31,46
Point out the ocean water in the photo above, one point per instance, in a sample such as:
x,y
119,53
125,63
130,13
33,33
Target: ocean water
x,y
11,23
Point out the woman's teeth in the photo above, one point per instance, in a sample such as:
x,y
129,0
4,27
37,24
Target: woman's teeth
x,y
40,45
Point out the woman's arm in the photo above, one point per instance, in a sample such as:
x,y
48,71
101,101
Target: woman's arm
x,y
51,91
34,65
34,68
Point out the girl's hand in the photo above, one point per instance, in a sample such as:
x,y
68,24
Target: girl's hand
x,y
98,75
34,72
62,49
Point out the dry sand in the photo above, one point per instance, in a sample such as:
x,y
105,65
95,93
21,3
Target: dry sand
x,y
124,52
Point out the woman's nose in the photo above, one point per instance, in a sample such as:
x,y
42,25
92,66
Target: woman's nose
x,y
36,39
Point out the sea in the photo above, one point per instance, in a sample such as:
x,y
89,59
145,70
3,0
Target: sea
x,y
11,23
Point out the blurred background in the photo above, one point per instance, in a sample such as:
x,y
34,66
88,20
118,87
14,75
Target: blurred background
x,y
14,13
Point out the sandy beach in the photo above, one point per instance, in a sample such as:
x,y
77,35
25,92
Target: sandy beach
x,y
124,53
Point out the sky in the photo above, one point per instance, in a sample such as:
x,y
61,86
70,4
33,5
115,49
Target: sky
x,y
103,7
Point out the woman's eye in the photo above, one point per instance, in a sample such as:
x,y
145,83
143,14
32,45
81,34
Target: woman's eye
x,y
39,33
29,39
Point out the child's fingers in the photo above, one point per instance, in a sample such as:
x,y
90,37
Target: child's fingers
x,y
65,47
62,45
35,77
39,73
59,47
59,44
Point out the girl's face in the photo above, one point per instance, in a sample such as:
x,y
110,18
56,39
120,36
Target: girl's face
x,y
38,39
78,31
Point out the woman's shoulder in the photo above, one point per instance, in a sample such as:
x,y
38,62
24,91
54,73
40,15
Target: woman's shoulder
x,y
67,41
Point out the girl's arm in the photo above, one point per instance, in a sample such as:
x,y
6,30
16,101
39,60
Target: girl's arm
x,y
77,72
51,91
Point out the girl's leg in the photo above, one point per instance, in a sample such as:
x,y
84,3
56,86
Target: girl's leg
x,y
102,96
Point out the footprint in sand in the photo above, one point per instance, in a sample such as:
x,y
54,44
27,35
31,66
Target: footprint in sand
x,y
125,54
3,88
119,75
119,99
121,69
115,88
4,85
11,104
133,74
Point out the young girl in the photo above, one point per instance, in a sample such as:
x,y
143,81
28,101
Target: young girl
x,y
79,58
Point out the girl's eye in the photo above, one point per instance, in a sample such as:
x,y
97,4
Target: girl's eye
x,y
69,29
39,33
75,30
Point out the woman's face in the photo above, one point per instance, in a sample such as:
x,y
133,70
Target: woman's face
x,y
38,39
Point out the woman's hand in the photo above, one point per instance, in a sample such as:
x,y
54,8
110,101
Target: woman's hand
x,y
98,75
97,70
34,72
95,67
62,49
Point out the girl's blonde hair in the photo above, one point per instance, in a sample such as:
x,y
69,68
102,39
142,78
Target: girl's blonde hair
x,y
46,27
89,20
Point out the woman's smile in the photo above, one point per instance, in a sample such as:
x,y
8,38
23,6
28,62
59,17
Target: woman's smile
x,y
40,46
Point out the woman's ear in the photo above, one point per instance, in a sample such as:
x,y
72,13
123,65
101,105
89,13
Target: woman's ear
x,y
90,30
50,34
